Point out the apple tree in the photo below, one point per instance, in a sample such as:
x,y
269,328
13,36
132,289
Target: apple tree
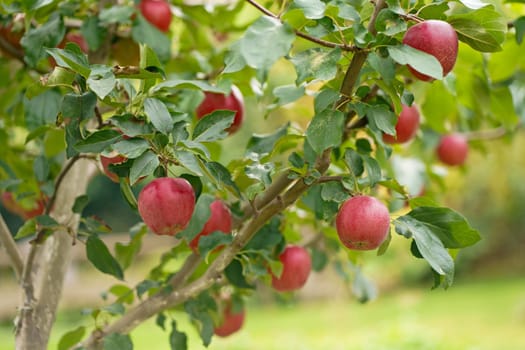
x,y
337,114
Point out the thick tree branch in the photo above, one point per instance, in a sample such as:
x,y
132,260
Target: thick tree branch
x,y
9,244
50,259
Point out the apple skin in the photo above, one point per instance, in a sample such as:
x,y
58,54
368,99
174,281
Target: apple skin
x,y
297,265
9,203
157,12
362,223
166,205
453,149
12,37
232,102
74,38
231,322
106,161
406,127
220,220
437,38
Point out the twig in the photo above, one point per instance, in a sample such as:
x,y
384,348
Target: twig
x,y
490,134
15,258
191,263
344,47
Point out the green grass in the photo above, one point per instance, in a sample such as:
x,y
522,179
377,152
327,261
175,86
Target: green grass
x,y
480,315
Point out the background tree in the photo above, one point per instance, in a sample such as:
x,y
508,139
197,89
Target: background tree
x,y
155,90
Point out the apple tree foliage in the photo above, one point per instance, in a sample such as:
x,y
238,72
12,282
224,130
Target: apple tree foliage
x,y
337,70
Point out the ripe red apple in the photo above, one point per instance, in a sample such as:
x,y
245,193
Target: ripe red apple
x,y
437,38
166,205
362,223
406,127
232,102
106,161
220,220
297,265
453,149
157,12
76,38
12,38
231,322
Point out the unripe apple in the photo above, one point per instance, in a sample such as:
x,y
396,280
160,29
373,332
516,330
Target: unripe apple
x,y
220,220
106,161
362,223
166,205
453,149
406,126
157,12
297,265
126,52
231,322
437,38
232,102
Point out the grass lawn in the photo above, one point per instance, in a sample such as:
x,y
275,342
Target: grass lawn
x,y
480,315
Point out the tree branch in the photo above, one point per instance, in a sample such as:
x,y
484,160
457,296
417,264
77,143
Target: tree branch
x,y
344,47
490,134
9,244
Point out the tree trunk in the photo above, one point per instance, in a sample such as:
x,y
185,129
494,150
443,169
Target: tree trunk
x,y
48,263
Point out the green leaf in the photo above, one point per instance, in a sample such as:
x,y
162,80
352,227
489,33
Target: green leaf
x,y
80,107
234,60
80,203
178,340
27,229
334,191
143,32
71,57
265,41
502,106
381,118
101,80
115,14
198,219
213,240
199,310
71,338
41,168
288,93
449,226
362,287
234,274
212,127
419,60
264,144
223,177
98,254
312,9
385,66
116,341
126,253
354,162
159,115
178,84
267,238
373,170
325,99
98,141
519,25
325,130
131,148
429,245
42,109
316,63
189,161
127,193
483,29
143,166
145,286
260,172
37,39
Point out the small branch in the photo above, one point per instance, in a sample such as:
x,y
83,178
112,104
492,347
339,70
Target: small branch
x,y
490,134
191,263
303,35
325,179
9,244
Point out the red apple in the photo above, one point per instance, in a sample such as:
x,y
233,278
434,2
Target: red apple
x,y
406,127
231,322
297,265
76,38
362,223
157,12
453,149
220,220
12,39
232,102
166,205
437,38
106,161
